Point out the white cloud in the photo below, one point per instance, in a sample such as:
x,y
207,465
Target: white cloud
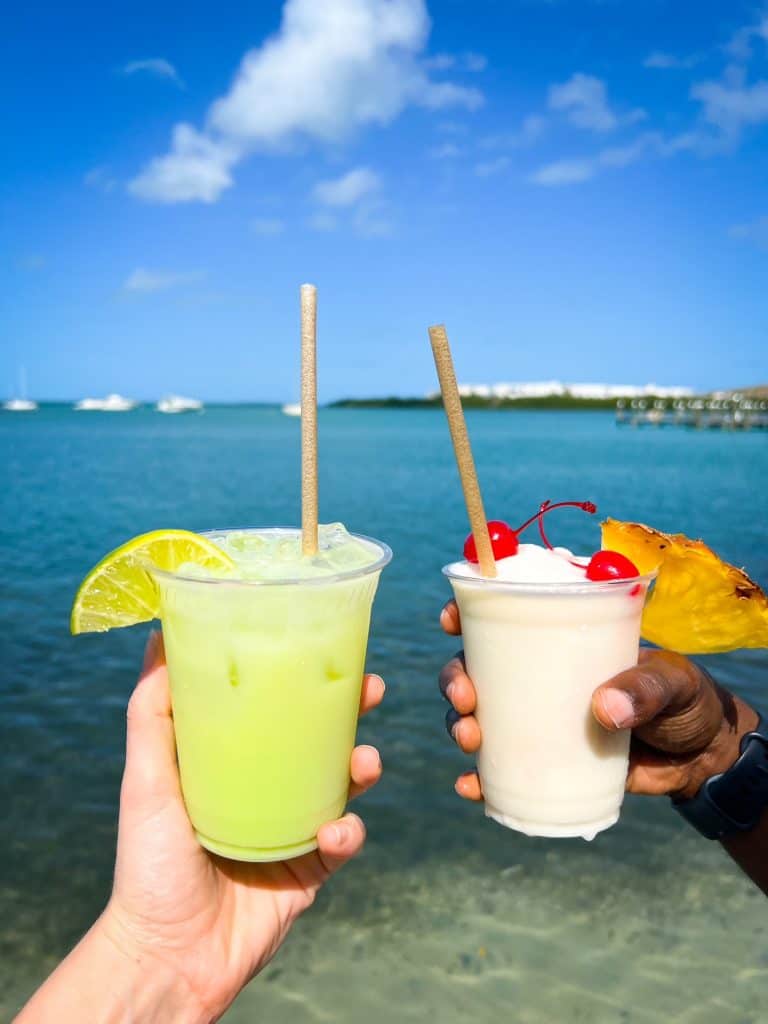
x,y
669,61
491,167
689,142
146,281
475,62
100,178
267,226
740,44
572,172
469,61
158,67
564,172
440,62
623,156
530,131
755,231
332,68
731,105
196,168
445,151
452,127
323,221
349,189
584,100
355,197
371,220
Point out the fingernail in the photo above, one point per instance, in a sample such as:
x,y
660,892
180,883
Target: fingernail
x,y
449,692
452,718
619,708
150,651
373,750
341,833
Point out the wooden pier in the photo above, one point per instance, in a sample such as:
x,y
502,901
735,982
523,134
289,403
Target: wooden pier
x,y
695,413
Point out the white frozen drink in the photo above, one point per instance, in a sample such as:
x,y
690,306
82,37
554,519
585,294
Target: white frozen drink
x,y
538,639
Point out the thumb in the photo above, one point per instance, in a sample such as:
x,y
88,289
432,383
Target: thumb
x,y
669,702
340,841
150,758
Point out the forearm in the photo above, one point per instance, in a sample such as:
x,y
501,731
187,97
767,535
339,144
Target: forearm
x,y
750,851
102,984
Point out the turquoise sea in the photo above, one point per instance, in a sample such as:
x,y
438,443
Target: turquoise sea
x,y
446,913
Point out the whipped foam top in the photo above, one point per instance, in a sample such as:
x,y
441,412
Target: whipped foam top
x,y
532,564
276,554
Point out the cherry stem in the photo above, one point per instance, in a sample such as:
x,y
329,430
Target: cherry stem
x,y
547,506
541,529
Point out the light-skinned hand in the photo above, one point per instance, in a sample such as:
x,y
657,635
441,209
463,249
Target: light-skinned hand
x,y
214,922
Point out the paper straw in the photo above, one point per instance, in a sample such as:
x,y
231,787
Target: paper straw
x,y
461,446
308,419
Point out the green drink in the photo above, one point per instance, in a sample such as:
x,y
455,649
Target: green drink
x,y
266,664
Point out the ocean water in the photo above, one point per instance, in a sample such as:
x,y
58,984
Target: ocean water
x,y
446,912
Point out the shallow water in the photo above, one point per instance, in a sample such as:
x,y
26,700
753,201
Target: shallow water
x,y
446,912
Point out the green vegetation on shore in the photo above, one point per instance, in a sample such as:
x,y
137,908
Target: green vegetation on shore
x,y
566,401
476,402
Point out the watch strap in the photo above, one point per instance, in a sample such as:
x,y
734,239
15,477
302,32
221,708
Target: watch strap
x,y
733,801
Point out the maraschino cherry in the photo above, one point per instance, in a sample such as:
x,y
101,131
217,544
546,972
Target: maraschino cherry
x,y
611,565
603,565
503,540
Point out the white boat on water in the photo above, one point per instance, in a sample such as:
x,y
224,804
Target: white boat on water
x,y
176,403
21,403
112,403
292,409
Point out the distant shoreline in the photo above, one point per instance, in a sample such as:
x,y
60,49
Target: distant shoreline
x,y
472,402
550,402
567,402
553,403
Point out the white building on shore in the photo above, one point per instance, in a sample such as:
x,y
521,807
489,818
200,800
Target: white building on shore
x,y
557,389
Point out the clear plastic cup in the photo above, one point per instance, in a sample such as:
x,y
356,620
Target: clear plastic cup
x,y
265,685
536,653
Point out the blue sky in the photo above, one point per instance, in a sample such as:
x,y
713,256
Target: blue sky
x,y
576,188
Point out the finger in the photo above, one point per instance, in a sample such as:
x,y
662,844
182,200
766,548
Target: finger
x,y
468,786
464,731
365,769
456,686
653,772
150,759
372,693
668,700
339,841
449,619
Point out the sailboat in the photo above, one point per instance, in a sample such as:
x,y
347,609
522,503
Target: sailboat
x,y
22,403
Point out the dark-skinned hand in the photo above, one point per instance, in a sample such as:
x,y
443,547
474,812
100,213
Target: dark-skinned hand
x,y
684,726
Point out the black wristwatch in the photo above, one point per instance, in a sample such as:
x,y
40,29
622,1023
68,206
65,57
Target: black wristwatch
x,y
734,800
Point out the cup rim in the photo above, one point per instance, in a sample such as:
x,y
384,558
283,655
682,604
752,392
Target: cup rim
x,y
385,557
566,589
